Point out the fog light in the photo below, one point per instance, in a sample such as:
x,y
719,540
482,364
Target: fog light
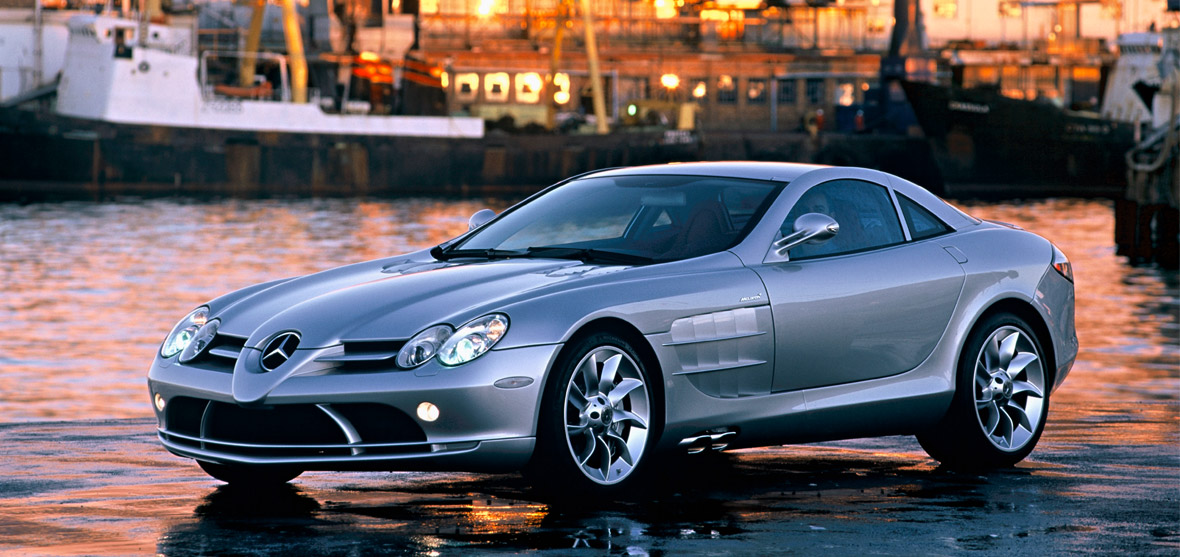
x,y
159,402
427,412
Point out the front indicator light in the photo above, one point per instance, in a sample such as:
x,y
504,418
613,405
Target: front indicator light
x,y
427,412
473,339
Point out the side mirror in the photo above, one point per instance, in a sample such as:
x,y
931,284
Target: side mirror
x,y
480,218
814,228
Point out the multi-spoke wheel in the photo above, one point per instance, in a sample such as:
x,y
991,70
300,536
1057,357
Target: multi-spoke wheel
x,y
597,418
1001,402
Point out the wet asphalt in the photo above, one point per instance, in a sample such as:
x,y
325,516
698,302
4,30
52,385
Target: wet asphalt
x,y
1105,479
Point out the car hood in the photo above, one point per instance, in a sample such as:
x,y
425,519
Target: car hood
x,y
393,298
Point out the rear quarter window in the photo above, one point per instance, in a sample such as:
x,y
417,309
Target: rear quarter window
x,y
922,223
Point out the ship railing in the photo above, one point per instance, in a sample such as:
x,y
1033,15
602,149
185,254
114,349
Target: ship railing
x,y
220,78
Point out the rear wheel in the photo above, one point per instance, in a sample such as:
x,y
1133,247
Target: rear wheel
x,y
250,476
597,420
1001,399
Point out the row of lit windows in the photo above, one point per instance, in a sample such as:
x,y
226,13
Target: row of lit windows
x,y
527,88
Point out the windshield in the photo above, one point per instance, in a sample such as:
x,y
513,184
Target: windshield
x,y
626,219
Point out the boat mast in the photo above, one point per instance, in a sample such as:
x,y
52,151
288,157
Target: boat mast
x,y
37,39
595,75
554,61
253,38
296,59
295,56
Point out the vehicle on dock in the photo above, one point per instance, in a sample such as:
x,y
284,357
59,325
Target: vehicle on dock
x,y
626,312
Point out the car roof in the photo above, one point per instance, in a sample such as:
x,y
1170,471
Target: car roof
x,y
776,171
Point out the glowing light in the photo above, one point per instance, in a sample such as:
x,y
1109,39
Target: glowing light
x,y
428,412
159,402
528,87
562,82
665,9
670,80
714,15
445,78
369,57
485,7
700,90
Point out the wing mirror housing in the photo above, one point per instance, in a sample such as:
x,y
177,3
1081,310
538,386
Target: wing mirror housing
x,y
480,218
812,228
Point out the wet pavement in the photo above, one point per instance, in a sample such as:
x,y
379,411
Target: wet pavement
x,y
106,488
1104,479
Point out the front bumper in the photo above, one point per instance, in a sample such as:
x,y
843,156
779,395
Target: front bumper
x,y
334,420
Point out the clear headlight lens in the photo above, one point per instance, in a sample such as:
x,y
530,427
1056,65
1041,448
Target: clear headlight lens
x,y
200,340
423,346
184,332
473,339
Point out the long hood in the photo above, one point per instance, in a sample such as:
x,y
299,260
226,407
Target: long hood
x,y
393,299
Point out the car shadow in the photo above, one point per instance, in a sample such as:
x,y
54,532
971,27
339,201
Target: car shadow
x,y
714,499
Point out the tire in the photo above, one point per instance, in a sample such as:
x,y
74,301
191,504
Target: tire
x,y
250,476
598,420
1001,400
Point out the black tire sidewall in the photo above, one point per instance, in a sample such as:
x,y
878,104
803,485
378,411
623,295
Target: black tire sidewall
x,y
552,467
959,441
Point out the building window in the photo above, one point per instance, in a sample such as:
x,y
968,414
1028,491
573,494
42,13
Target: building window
x,y
726,90
756,91
466,87
786,92
845,94
816,92
528,87
495,87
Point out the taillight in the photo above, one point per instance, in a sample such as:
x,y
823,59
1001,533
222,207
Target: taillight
x,y
1061,263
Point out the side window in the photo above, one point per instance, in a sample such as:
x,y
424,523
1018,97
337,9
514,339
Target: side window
x,y
740,204
863,210
922,223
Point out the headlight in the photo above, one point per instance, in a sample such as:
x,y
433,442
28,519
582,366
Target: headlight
x,y
423,346
473,339
184,332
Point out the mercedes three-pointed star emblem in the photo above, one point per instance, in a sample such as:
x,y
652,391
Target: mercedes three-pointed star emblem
x,y
279,350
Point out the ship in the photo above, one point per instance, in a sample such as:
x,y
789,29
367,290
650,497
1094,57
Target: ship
x,y
989,144
1055,117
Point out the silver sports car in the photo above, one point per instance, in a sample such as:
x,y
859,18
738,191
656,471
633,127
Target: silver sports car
x,y
635,311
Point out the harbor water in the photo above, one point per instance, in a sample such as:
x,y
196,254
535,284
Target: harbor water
x,y
91,289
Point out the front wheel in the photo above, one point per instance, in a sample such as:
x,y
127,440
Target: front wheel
x,y
598,418
1001,399
250,476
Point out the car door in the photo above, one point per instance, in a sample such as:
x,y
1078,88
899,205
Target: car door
x,y
866,304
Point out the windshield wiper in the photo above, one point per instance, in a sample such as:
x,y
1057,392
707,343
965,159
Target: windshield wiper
x,y
445,254
588,255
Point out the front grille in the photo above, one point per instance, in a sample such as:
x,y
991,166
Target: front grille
x,y
221,355
291,430
361,356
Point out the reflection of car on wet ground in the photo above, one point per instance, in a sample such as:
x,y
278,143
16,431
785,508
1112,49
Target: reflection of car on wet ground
x,y
687,307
